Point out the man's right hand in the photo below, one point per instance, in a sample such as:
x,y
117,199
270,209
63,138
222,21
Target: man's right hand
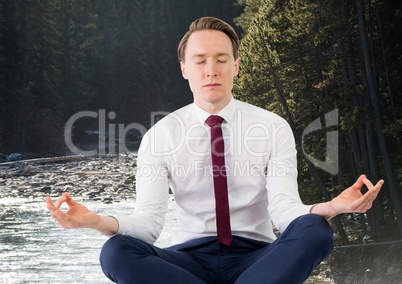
x,y
78,216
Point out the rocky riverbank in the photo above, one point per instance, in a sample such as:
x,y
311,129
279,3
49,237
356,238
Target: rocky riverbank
x,y
107,179
111,179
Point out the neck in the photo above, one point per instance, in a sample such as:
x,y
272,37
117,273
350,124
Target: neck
x,y
212,107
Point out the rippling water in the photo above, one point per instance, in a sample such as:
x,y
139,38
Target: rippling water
x,y
34,249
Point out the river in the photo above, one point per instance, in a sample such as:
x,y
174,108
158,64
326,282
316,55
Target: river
x,y
34,249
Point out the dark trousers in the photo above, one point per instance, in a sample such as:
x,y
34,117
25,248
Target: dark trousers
x,y
288,260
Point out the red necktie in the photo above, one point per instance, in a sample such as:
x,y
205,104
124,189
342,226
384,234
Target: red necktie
x,y
220,181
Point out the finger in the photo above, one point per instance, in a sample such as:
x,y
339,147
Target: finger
x,y
373,191
379,184
365,202
65,220
61,218
59,202
69,200
50,204
48,200
359,182
57,215
362,204
370,185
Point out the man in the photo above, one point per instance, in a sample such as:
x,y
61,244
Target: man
x,y
232,169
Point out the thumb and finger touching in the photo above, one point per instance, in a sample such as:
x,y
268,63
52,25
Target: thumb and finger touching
x,y
366,201
69,219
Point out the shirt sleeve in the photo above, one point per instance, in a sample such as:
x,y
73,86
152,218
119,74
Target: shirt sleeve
x,y
152,191
284,203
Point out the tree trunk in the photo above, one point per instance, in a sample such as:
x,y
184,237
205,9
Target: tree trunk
x,y
377,116
378,212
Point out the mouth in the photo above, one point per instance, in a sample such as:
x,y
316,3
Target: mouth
x,y
212,85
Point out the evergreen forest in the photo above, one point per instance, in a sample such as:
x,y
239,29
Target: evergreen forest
x,y
304,60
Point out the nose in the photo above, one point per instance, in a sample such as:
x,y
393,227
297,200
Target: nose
x,y
210,69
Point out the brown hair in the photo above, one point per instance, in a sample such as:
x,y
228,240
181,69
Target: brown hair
x,y
209,23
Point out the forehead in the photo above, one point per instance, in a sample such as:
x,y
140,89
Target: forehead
x,y
208,43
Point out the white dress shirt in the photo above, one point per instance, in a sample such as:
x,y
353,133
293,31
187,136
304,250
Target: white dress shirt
x,y
261,170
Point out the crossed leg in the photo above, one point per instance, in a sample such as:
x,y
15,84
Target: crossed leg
x,y
290,259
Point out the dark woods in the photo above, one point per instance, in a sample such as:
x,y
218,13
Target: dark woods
x,y
304,59
300,59
61,57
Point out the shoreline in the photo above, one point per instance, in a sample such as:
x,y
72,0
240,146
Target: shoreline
x,y
102,178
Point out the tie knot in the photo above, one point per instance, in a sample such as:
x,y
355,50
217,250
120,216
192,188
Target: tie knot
x,y
214,120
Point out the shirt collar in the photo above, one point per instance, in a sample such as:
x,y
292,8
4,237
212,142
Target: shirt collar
x,y
227,112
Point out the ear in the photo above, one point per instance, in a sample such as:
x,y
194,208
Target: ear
x,y
237,67
183,70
